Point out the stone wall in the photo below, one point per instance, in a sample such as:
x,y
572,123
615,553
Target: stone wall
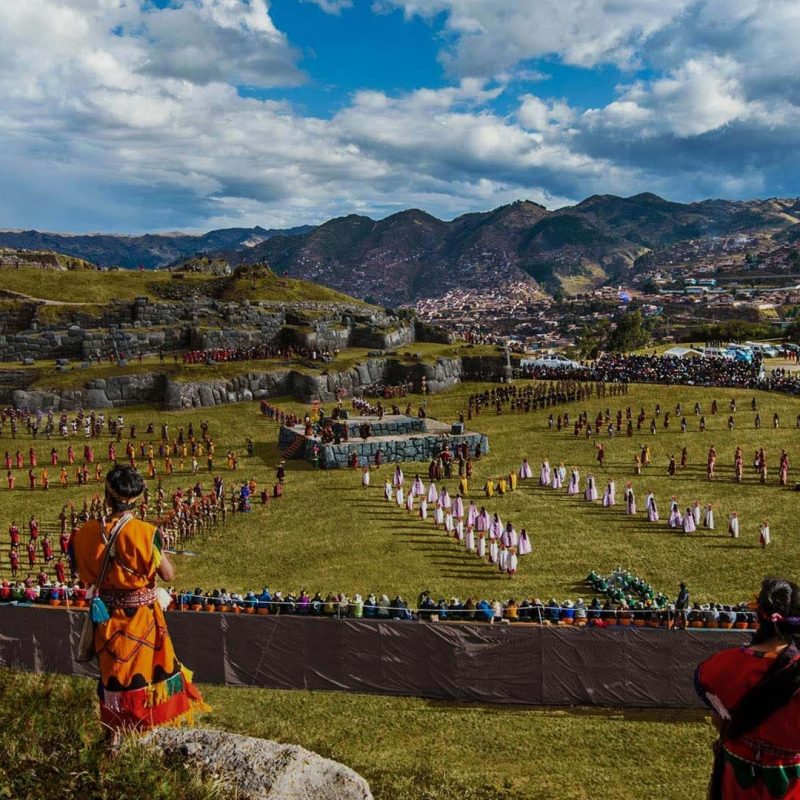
x,y
388,426
15,315
42,346
43,332
418,447
156,389
382,338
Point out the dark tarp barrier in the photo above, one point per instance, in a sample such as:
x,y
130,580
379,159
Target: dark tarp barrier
x,y
519,663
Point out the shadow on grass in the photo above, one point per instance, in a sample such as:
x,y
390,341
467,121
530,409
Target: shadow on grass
x,y
460,560
737,546
475,577
666,716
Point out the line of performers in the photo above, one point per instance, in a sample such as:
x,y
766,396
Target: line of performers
x,y
472,527
696,514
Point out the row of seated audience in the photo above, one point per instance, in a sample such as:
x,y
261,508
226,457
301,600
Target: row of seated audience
x,y
596,613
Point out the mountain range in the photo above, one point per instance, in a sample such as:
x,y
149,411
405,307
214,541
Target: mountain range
x,y
148,251
412,254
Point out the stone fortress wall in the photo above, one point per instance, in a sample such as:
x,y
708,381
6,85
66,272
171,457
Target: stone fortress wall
x,y
399,438
31,330
152,388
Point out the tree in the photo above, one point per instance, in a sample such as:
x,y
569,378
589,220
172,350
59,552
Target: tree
x,y
650,286
630,333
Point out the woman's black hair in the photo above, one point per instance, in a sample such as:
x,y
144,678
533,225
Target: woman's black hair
x,y
778,598
123,486
779,616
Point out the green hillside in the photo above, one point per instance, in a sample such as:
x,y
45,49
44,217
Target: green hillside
x,y
95,286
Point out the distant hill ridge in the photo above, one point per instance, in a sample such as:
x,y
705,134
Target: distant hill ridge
x,y
148,250
412,255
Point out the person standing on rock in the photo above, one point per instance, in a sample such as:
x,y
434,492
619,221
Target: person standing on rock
x,y
142,682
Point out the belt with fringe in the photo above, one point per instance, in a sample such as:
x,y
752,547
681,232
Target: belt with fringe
x,y
131,599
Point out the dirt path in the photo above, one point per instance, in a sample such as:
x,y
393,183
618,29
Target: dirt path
x,y
11,295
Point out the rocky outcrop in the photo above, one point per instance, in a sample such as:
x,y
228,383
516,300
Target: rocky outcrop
x,y
382,338
259,769
39,331
155,389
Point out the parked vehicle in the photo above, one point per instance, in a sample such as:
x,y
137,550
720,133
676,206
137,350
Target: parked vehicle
x,y
766,350
717,352
552,360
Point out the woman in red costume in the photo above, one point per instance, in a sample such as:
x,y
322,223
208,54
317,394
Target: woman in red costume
x,y
753,695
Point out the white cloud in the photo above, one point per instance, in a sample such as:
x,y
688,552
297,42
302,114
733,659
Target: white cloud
x,y
331,6
130,117
539,115
218,40
699,97
492,37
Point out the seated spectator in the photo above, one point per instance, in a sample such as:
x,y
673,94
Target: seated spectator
x,y
370,606
356,608
468,612
383,607
497,611
484,611
624,614
511,612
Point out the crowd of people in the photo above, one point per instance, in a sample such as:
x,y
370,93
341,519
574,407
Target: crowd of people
x,y
180,516
537,396
600,611
255,352
617,368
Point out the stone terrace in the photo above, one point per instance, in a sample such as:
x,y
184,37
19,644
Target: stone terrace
x,y
401,438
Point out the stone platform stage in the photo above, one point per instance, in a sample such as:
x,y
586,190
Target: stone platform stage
x,y
400,438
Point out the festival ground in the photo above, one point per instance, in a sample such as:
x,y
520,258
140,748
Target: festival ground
x,y
329,534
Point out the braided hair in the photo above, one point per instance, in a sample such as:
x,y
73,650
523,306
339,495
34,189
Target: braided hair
x,y
779,616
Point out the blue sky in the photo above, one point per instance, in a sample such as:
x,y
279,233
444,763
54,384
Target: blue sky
x,y
192,114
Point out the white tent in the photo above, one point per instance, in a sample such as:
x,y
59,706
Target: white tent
x,y
682,352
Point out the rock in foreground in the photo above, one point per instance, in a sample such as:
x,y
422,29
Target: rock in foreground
x,y
260,769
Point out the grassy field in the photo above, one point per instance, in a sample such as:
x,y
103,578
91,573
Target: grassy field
x,y
91,286
408,749
47,377
328,534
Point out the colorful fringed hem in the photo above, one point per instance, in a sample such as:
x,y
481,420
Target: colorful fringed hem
x,y
757,781
173,701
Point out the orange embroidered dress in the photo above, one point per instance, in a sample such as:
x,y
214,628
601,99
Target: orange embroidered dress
x,y
142,683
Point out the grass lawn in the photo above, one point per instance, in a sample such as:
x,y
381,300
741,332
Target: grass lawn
x,y
49,378
408,749
328,534
93,286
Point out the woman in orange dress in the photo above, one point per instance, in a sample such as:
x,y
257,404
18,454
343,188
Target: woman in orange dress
x,y
754,696
142,683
